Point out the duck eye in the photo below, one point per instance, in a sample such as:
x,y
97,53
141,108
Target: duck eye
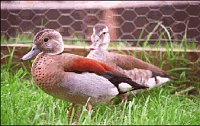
x,y
104,33
46,39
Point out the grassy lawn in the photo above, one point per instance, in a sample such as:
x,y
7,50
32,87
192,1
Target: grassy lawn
x,y
23,103
176,102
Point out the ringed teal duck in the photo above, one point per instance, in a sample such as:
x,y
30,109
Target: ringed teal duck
x,y
72,77
140,71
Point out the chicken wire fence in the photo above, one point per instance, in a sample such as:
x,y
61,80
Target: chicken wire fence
x,y
127,22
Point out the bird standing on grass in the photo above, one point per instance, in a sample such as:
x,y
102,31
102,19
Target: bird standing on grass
x,y
72,77
141,72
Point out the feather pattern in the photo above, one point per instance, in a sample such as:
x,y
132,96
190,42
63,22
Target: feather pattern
x,y
139,71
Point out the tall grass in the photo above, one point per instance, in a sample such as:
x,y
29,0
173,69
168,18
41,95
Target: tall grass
x,y
23,103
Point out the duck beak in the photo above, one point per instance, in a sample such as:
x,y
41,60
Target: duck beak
x,y
34,51
95,42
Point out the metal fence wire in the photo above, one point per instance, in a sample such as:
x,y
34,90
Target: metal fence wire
x,y
130,21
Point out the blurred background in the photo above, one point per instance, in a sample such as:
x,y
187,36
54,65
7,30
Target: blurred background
x,y
127,20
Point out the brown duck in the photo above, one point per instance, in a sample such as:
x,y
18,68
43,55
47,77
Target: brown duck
x,y
72,77
140,71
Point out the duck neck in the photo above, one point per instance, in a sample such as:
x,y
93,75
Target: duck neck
x,y
103,47
105,43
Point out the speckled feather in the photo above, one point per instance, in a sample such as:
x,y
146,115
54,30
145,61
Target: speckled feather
x,y
51,75
68,76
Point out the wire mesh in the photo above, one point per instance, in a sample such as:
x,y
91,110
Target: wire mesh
x,y
125,23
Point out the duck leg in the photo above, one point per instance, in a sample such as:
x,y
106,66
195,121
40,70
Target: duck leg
x,y
124,98
70,111
89,107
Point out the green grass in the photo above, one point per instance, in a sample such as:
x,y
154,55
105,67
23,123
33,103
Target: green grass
x,y
23,103
176,102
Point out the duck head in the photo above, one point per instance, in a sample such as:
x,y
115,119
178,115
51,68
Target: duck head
x,y
100,37
47,41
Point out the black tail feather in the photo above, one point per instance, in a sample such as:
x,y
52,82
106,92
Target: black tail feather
x,y
116,80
